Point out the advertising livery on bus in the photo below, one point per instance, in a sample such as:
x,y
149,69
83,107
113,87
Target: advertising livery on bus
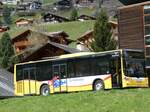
x,y
80,72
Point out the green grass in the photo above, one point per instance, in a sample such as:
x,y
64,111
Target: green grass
x,y
48,1
74,29
87,11
126,100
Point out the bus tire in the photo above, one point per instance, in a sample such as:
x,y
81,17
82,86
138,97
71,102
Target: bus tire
x,y
98,85
45,90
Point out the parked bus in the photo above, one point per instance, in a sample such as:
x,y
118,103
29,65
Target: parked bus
x,y
80,72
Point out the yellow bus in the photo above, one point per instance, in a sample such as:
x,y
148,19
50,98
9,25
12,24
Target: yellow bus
x,y
80,72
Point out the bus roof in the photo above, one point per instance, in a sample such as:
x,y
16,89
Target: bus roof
x,y
74,55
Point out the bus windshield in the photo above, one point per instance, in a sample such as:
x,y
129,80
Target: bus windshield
x,y
134,64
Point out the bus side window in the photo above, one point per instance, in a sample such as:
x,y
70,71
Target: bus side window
x,y
100,66
56,70
19,74
43,71
71,71
63,72
83,67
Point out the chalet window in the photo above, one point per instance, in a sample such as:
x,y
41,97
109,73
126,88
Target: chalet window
x,y
147,51
147,20
147,9
147,39
148,61
147,30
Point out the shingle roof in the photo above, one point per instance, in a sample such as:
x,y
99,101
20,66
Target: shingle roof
x,y
29,51
50,34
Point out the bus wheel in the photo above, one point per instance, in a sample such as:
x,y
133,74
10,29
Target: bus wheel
x,y
45,91
98,85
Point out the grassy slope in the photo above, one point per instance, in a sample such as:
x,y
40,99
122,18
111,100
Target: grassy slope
x,y
74,29
87,11
48,1
128,100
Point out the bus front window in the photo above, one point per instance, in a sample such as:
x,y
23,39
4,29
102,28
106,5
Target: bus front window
x,y
134,69
134,64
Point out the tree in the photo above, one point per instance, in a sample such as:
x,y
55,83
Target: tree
x,y
74,15
6,51
103,39
7,15
1,22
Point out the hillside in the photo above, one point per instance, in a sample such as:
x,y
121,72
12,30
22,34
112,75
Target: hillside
x,y
74,29
125,100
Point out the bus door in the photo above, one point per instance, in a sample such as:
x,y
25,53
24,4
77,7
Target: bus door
x,y
116,72
29,82
60,77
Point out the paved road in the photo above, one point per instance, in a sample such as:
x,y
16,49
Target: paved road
x,y
6,83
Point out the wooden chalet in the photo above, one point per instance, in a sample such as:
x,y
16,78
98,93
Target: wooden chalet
x,y
86,17
83,1
30,37
3,28
23,22
29,5
40,51
11,2
84,42
134,28
53,18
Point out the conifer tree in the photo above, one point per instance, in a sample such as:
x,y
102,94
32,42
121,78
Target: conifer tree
x,y
74,15
103,39
7,15
6,51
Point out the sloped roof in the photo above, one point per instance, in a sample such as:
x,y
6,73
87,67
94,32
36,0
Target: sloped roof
x,y
128,2
20,19
134,5
57,16
30,50
83,16
64,47
82,37
50,34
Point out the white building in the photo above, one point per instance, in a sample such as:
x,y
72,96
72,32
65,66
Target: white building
x,y
11,2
